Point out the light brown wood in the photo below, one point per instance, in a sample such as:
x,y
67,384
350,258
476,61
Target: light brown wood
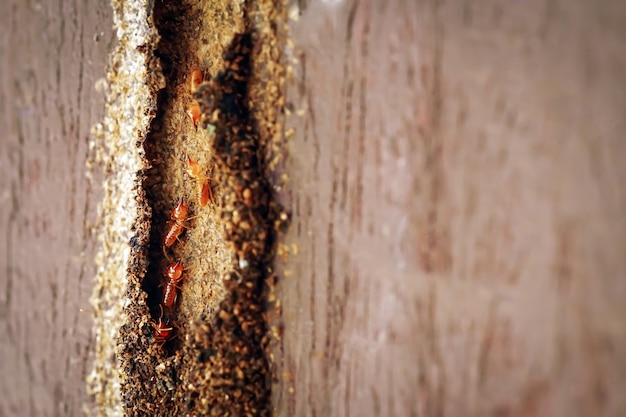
x,y
456,180
51,55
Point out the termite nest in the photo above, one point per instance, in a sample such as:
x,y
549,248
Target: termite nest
x,y
197,338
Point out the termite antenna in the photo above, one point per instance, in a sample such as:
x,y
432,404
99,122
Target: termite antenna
x,y
167,256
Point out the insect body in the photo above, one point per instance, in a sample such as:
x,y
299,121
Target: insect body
x,y
174,275
203,187
193,108
193,111
177,224
195,80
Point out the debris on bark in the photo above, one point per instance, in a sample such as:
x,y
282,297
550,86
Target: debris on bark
x,y
217,360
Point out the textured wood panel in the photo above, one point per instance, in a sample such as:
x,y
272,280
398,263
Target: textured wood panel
x,y
456,179
51,54
457,187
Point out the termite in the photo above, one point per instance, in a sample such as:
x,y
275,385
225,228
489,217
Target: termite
x,y
193,111
162,329
193,108
195,80
174,274
177,224
203,187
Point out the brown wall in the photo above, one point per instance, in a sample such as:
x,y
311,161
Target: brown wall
x,y
51,54
456,182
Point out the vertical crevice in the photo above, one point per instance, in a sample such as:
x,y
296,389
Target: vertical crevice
x,y
217,362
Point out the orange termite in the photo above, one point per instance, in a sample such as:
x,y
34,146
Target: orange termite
x,y
193,108
177,224
195,80
193,111
162,329
203,187
174,275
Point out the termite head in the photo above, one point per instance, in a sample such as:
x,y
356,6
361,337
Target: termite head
x,y
180,211
162,329
193,168
195,80
193,111
174,271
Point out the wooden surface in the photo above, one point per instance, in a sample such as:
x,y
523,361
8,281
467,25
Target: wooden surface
x,y
51,54
456,181
458,204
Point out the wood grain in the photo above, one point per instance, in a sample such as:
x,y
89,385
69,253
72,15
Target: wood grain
x,y
51,54
456,180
